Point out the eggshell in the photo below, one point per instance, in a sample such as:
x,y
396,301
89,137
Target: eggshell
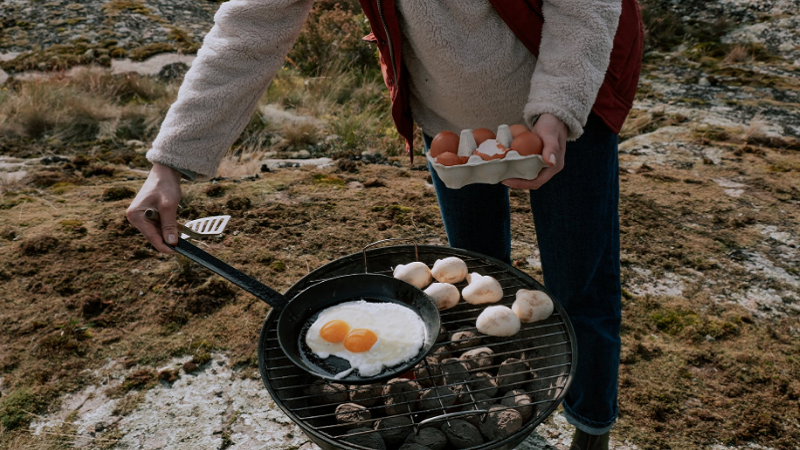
x,y
527,143
532,306
415,273
449,270
518,129
444,295
498,321
482,134
450,159
444,142
491,149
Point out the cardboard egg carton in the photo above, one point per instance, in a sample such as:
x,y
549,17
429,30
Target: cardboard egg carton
x,y
477,170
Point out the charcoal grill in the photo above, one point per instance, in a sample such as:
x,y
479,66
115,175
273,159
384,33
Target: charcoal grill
x,y
548,347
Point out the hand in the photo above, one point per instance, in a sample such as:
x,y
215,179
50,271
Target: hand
x,y
554,137
162,192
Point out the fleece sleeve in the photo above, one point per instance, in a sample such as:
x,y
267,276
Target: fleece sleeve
x,y
577,37
238,59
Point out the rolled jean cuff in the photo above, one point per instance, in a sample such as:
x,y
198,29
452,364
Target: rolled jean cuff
x,y
586,425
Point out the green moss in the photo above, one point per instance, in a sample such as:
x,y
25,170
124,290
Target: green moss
x,y
118,193
278,266
321,178
18,408
674,321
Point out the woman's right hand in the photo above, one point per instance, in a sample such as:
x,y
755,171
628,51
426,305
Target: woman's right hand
x,y
162,192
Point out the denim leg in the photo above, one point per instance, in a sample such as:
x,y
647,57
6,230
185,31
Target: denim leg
x,y
577,225
476,217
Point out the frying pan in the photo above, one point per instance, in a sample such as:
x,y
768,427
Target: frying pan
x,y
297,314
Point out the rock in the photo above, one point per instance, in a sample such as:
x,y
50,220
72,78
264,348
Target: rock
x,y
704,82
173,72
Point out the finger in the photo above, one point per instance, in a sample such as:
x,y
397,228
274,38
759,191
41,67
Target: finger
x,y
169,226
551,148
151,230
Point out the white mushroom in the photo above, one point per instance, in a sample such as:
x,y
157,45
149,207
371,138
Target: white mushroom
x,y
482,289
532,306
449,270
498,321
444,295
415,273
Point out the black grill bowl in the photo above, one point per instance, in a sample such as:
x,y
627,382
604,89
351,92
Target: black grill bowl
x,y
549,346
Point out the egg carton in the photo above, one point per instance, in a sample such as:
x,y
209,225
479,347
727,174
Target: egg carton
x,y
478,170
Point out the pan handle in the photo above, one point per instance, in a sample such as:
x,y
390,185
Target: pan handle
x,y
244,281
416,250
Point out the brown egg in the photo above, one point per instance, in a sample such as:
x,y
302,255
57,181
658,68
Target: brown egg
x,y
450,159
517,129
482,134
527,143
444,142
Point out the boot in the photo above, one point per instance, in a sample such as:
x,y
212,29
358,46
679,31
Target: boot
x,y
586,441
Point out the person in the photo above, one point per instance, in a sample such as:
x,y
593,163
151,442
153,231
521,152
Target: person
x,y
568,69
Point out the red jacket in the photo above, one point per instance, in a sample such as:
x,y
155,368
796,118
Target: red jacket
x,y
524,17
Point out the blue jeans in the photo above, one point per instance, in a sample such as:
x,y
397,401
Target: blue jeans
x,y
576,215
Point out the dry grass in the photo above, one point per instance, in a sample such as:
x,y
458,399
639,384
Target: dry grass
x,y
738,54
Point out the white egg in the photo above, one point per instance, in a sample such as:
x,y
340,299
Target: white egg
x,y
400,334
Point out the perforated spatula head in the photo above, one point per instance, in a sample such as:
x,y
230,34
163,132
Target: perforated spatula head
x,y
208,226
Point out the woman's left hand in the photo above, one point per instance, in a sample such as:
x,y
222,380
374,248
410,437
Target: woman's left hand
x,y
554,137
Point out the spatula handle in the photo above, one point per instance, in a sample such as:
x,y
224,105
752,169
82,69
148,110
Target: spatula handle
x,y
246,282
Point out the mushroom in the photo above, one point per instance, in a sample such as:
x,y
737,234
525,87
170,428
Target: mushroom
x,y
482,289
444,295
464,337
520,401
532,306
415,273
498,321
449,270
477,358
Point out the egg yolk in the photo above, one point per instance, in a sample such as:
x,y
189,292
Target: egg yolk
x,y
334,331
360,340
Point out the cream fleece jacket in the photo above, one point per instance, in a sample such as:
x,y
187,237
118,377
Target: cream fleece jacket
x,y
482,82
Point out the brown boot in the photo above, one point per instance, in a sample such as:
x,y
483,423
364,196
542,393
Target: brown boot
x,y
586,441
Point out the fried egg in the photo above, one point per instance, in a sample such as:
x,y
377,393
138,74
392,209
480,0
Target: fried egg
x,y
370,336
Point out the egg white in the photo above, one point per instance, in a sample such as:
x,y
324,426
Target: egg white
x,y
400,331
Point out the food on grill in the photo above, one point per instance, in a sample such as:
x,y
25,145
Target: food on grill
x,y
462,434
481,289
482,134
532,306
365,395
500,422
444,295
325,393
498,321
430,438
444,142
415,273
353,416
365,437
428,374
449,270
477,358
464,337
520,401
372,342
436,398
512,374
491,149
394,430
401,395
482,382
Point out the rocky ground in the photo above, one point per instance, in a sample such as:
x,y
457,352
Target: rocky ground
x,y
710,222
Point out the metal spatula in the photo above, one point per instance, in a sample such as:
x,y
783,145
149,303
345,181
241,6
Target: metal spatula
x,y
202,228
